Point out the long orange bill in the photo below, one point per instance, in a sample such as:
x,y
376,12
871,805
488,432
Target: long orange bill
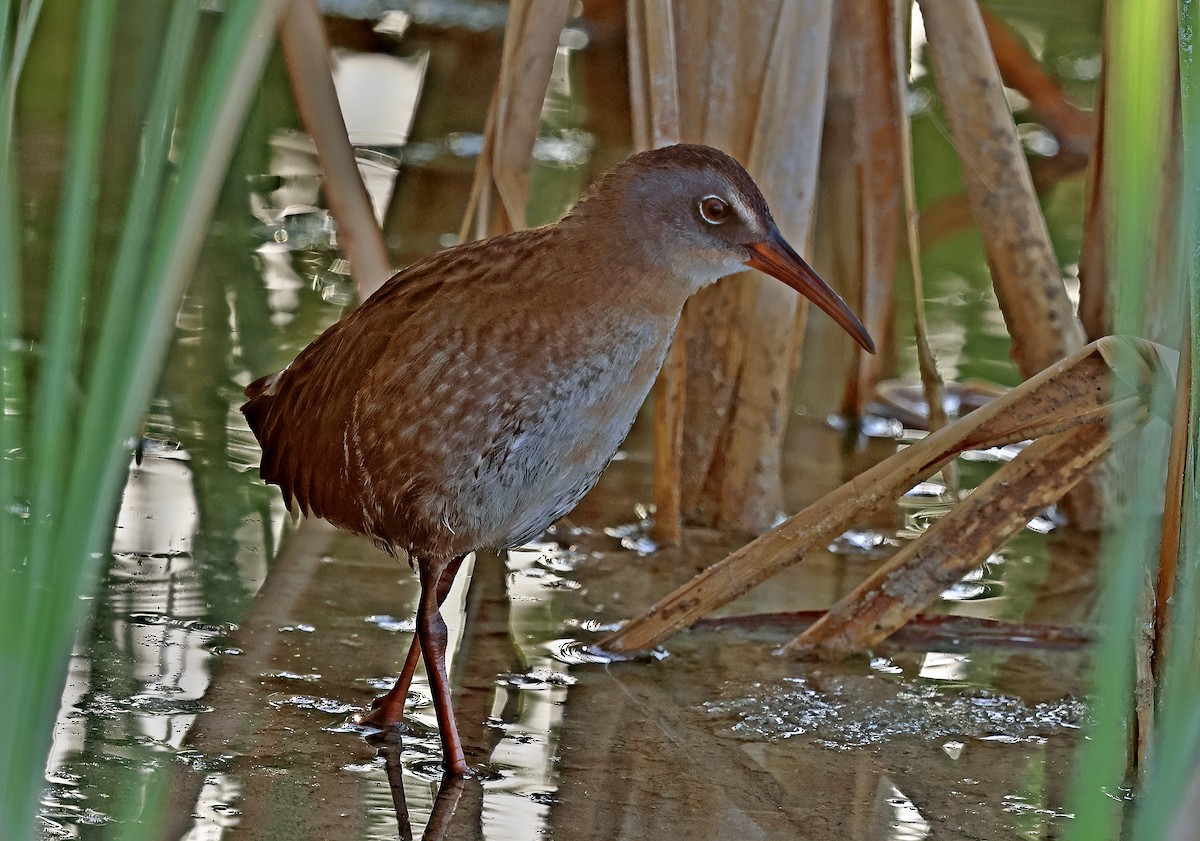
x,y
778,259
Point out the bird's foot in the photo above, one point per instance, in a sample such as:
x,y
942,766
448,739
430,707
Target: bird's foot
x,y
385,712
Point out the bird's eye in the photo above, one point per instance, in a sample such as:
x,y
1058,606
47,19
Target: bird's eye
x,y
713,210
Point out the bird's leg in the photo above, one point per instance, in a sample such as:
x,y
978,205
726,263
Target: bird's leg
x,y
432,631
389,709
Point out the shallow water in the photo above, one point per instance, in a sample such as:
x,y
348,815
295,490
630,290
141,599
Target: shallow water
x,y
230,648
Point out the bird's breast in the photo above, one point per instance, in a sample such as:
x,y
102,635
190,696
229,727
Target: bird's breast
x,y
563,428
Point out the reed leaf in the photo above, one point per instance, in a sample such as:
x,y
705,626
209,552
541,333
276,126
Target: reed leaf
x,y
11,361
137,325
1137,98
1062,396
1177,744
52,446
302,36
43,580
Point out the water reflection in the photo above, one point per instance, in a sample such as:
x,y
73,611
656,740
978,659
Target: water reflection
x,y
899,818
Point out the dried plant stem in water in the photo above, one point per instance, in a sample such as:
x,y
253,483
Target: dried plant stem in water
x,y
924,630
931,378
531,39
1172,526
875,61
654,94
1025,271
955,544
302,36
1072,393
1070,125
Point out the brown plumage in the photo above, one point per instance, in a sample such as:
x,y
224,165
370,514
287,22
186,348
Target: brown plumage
x,y
478,395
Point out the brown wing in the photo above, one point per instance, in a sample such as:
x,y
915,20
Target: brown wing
x,y
300,415
303,415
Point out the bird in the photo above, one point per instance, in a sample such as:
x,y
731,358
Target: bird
x,y
476,397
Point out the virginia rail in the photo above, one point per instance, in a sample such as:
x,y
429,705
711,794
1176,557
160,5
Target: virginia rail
x,y
477,396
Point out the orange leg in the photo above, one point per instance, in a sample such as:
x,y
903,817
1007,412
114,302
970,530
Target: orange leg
x,y
435,578
389,709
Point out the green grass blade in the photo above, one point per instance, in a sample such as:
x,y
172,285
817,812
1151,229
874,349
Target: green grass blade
x,y
238,59
1177,742
1138,91
52,445
12,380
146,191
230,80
14,46
26,26
111,356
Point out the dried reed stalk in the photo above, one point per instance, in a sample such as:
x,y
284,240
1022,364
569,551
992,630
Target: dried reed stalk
x,y
1144,678
924,631
988,518
1093,251
764,107
654,96
1072,393
879,120
531,39
931,378
720,54
1025,271
1075,130
306,53
1172,526
784,158
1070,125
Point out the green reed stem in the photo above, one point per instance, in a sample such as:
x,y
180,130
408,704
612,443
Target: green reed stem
x,y
52,441
133,343
12,381
14,47
121,308
1140,67
49,436
1177,743
235,68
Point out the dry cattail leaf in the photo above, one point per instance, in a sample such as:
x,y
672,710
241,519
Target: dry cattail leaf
x,y
879,119
989,517
654,93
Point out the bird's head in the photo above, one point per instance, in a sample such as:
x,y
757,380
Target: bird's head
x,y
698,214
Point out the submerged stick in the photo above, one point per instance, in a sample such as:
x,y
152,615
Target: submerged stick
x,y
924,630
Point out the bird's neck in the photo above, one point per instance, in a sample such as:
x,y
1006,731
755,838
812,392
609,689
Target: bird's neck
x,y
614,272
